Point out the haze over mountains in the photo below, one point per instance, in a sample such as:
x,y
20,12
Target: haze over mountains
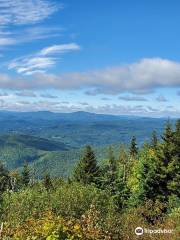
x,y
54,141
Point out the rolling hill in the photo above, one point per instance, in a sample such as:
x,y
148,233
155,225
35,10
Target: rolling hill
x,y
54,141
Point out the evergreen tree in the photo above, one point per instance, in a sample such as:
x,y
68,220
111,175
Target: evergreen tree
x,y
25,175
154,140
133,150
158,171
144,181
87,170
109,173
113,180
47,182
167,146
112,164
173,168
4,178
124,162
177,139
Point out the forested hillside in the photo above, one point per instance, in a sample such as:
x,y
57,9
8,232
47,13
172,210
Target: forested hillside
x,y
55,140
132,186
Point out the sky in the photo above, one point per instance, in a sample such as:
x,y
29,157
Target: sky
x,y
117,57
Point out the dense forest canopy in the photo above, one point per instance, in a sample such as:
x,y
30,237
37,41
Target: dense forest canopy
x,y
100,200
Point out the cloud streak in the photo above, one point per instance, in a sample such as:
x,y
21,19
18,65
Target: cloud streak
x,y
42,60
20,12
133,98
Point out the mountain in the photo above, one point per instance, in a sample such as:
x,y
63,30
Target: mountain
x,y
80,128
54,141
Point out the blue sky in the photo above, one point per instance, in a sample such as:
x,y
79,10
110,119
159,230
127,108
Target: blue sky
x,y
117,57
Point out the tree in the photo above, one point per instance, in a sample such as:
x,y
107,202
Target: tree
x,y
133,150
47,182
173,167
109,173
124,162
167,147
87,170
4,178
177,139
113,180
154,140
25,175
156,176
144,181
112,164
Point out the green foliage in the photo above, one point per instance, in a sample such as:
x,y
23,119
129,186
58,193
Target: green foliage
x,y
154,140
25,175
109,173
87,169
105,200
47,182
133,150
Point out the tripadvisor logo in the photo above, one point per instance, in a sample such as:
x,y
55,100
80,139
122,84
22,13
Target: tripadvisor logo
x,y
139,231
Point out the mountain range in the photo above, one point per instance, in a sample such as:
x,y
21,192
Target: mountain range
x,y
54,141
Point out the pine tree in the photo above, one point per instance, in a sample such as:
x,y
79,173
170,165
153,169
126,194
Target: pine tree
x,y
87,170
112,164
177,139
154,140
173,168
109,173
166,162
47,182
133,147
25,175
124,162
4,178
167,146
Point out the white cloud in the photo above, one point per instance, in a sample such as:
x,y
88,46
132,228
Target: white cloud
x,y
7,41
26,35
39,62
59,49
20,12
29,65
30,12
145,75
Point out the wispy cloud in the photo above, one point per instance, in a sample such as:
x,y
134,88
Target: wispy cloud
x,y
25,94
24,14
133,98
6,41
46,95
59,49
42,60
26,35
20,12
105,99
161,98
